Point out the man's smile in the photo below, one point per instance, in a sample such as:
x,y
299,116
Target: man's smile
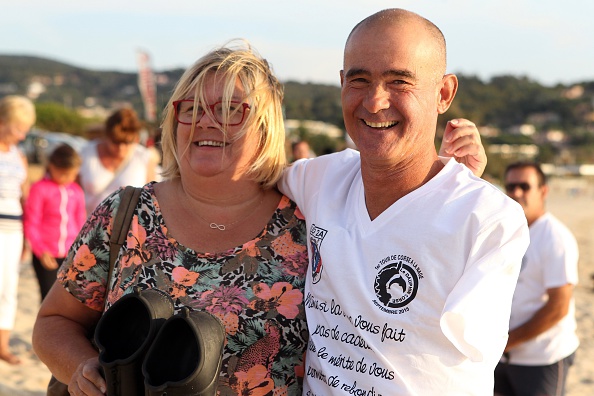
x,y
385,124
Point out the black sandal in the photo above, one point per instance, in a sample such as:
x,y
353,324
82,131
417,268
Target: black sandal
x,y
186,356
124,334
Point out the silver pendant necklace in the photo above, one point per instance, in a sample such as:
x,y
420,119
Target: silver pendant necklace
x,y
223,227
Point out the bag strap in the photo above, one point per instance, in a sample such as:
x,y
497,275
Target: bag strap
x,y
121,224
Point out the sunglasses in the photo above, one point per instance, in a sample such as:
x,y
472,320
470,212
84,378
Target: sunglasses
x,y
511,187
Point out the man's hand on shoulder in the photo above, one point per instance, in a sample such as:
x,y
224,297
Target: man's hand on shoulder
x,y
462,140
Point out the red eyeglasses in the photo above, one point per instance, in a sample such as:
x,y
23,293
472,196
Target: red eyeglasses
x,y
231,115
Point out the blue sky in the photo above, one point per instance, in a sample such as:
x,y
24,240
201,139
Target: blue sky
x,y
547,40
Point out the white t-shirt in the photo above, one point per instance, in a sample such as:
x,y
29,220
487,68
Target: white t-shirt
x,y
12,175
98,182
550,261
415,302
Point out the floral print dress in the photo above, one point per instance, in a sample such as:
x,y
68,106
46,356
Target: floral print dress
x,y
256,289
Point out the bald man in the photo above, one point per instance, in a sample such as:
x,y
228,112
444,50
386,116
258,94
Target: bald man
x,y
413,259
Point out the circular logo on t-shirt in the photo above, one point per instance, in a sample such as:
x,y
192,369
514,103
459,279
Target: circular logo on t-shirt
x,y
396,285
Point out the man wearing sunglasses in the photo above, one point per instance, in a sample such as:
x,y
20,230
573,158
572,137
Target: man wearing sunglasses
x,y
542,338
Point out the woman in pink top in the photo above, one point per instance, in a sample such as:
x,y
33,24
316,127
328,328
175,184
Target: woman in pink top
x,y
54,214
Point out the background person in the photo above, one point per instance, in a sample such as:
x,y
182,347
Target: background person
x,y
115,160
301,149
542,340
407,249
17,116
215,234
54,214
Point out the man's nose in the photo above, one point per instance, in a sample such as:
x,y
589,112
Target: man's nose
x,y
378,98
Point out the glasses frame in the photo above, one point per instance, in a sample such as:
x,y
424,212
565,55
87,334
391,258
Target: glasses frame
x,y
176,104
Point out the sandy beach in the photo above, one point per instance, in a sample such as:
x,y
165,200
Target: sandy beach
x,y
570,200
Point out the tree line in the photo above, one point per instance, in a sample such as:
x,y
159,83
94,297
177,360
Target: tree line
x,y
500,104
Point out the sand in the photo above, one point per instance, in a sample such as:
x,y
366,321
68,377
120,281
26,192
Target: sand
x,y
570,200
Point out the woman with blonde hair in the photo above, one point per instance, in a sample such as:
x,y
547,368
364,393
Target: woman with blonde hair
x,y
215,235
17,116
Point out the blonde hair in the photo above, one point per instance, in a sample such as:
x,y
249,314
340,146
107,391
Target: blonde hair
x,y
17,109
263,92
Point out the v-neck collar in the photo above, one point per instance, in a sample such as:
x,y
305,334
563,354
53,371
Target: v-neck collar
x,y
368,226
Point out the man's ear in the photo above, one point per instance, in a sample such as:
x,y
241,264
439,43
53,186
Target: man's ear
x,y
449,87
544,191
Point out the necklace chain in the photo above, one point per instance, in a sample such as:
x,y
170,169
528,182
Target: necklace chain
x,y
223,227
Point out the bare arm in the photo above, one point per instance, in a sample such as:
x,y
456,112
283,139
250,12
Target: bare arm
x,y
550,314
24,195
60,340
26,184
462,140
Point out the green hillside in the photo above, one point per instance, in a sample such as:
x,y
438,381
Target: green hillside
x,y
499,105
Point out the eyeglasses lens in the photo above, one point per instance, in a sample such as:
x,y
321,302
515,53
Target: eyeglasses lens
x,y
233,115
511,187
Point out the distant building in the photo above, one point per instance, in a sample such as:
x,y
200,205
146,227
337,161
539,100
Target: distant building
x,y
313,127
569,170
586,170
489,131
517,151
524,129
94,112
543,118
574,92
555,136
35,89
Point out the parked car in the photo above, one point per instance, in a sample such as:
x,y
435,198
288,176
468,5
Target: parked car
x,y
38,144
